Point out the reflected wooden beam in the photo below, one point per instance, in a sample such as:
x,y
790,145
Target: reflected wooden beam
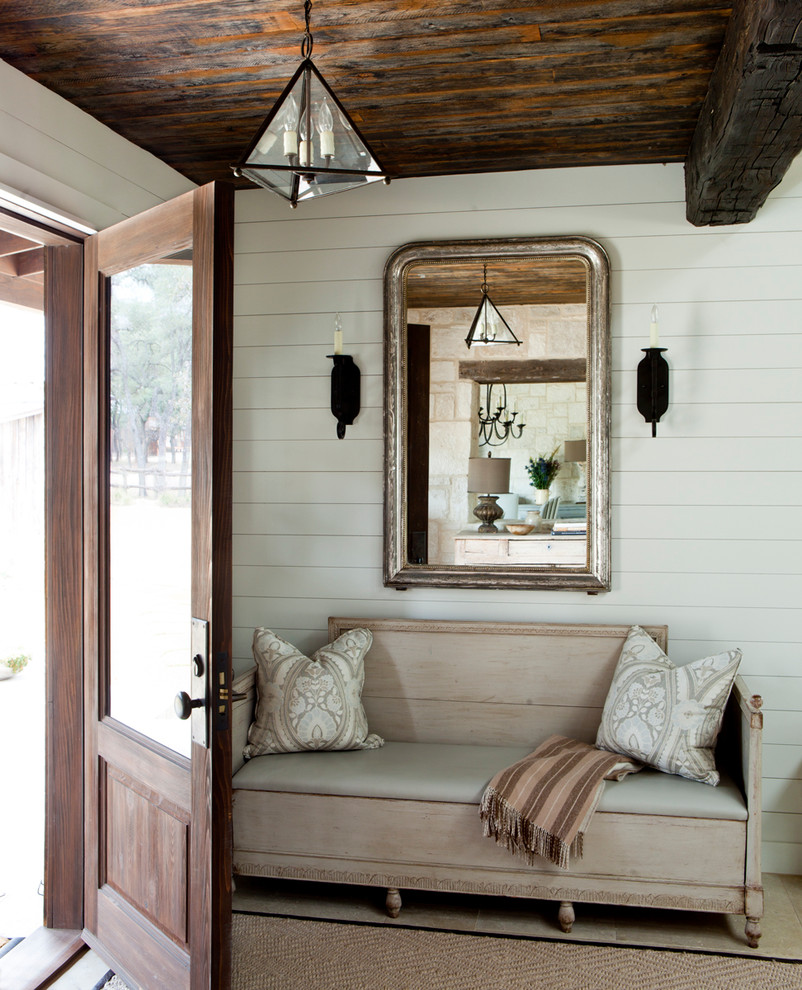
x,y
524,372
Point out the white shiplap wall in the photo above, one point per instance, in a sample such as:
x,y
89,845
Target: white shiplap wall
x,y
707,532
56,155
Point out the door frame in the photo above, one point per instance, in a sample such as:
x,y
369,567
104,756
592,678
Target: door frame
x,y
59,939
48,948
64,747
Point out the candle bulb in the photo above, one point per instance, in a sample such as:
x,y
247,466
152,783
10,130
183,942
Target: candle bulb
x,y
290,123
290,143
325,125
653,339
338,335
266,142
327,144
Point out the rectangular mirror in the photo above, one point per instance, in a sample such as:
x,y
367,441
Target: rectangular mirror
x,y
497,414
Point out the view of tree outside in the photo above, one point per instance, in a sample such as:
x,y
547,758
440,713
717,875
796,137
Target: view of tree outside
x,y
150,410
151,382
22,617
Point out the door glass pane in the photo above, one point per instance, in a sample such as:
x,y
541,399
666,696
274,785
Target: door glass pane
x,y
150,515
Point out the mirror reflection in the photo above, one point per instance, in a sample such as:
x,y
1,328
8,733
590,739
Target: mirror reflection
x,y
497,406
511,393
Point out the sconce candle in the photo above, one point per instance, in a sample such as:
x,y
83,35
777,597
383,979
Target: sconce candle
x,y
338,335
345,384
653,341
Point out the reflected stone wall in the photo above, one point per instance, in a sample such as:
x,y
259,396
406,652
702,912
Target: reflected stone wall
x,y
553,412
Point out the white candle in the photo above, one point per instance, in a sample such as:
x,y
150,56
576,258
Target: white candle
x,y
290,143
266,142
338,336
325,125
327,144
653,339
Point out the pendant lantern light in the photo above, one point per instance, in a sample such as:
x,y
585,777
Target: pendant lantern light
x,y
308,146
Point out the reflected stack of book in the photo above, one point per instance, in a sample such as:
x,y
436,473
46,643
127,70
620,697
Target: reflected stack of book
x,y
569,527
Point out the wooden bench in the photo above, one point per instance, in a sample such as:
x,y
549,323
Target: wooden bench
x,y
457,701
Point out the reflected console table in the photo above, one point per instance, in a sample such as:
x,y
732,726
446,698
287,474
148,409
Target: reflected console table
x,y
472,547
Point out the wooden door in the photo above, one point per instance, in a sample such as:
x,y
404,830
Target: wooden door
x,y
157,571
418,420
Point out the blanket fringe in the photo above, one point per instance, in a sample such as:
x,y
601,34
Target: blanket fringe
x,y
521,836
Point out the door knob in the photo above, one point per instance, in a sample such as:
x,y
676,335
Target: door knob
x,y
183,704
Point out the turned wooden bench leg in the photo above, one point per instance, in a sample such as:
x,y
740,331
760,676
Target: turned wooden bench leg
x,y
393,902
566,916
752,932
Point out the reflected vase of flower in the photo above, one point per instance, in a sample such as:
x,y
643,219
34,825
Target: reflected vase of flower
x,y
542,471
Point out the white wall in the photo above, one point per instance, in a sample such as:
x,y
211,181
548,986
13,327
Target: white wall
x,y
58,156
706,518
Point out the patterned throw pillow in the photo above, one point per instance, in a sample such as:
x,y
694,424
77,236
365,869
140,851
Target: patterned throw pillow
x,y
663,715
310,703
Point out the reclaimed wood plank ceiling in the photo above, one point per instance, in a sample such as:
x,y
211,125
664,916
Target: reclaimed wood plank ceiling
x,y
539,281
438,88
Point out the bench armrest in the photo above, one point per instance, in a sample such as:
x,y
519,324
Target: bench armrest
x,y
751,744
242,714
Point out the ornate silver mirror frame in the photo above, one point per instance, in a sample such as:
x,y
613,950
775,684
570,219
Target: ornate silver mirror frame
x,y
405,264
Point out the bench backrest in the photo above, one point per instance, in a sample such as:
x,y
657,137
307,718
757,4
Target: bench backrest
x,y
490,683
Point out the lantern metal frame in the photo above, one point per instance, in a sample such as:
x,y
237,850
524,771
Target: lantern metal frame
x,y
308,180
487,311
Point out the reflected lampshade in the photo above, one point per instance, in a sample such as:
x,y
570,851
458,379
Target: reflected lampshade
x,y
489,474
575,451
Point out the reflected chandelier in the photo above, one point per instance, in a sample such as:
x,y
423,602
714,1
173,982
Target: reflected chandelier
x,y
496,428
308,146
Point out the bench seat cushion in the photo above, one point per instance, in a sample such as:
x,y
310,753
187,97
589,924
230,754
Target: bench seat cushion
x,y
459,774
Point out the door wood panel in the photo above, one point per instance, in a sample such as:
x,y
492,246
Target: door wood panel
x,y
132,868
157,823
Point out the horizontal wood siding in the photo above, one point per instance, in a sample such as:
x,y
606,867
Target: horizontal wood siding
x,y
58,156
706,527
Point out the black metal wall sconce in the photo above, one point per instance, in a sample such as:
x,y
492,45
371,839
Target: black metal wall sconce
x,y
345,385
653,379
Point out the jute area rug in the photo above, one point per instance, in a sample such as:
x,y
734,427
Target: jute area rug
x,y
294,954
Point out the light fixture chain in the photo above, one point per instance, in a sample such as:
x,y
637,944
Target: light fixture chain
x,y
306,44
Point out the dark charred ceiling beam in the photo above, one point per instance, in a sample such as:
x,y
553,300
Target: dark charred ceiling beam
x,y
750,127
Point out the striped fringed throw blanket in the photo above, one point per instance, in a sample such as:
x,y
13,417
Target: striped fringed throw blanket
x,y
541,805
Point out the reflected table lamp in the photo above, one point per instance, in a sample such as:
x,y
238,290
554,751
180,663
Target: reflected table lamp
x,y
488,474
576,452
